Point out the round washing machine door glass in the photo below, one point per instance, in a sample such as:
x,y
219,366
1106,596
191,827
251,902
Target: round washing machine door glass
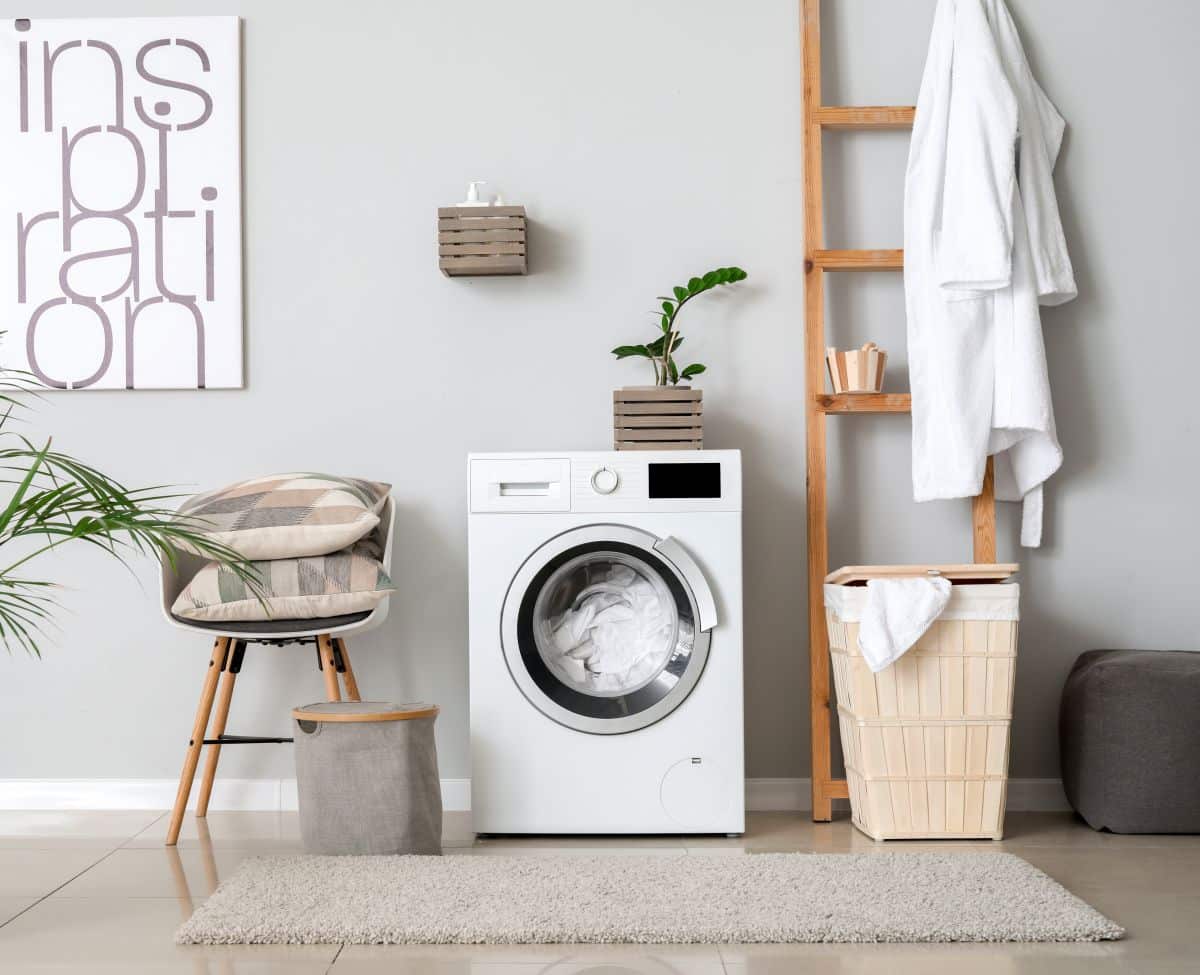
x,y
605,628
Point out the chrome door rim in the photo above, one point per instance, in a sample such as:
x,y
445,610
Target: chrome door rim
x,y
519,590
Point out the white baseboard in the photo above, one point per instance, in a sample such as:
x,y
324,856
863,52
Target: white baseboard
x,y
762,795
779,795
795,795
1037,795
228,794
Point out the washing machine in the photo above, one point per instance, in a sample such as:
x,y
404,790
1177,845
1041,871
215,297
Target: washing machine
x,y
606,642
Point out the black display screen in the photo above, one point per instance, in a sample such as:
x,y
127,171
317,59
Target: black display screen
x,y
681,481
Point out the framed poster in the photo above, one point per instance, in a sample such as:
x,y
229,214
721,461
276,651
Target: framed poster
x,y
120,203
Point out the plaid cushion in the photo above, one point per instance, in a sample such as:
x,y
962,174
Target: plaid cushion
x,y
350,581
289,515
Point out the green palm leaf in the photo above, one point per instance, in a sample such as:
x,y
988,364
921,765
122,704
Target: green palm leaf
x,y
55,499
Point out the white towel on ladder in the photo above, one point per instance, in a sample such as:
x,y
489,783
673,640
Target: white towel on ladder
x,y
896,616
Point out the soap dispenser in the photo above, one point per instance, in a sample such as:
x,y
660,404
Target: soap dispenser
x,y
472,199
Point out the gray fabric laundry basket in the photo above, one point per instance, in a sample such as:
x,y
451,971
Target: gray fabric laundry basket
x,y
367,775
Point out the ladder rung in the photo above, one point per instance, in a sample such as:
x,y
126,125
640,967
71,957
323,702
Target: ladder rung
x,y
865,116
864,402
838,789
858,260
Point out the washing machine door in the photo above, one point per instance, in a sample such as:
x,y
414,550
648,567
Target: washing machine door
x,y
606,628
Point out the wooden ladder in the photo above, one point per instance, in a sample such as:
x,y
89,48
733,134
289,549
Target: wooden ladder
x,y
818,405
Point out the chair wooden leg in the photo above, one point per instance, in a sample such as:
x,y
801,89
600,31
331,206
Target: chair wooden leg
x,y
348,674
233,665
215,665
329,667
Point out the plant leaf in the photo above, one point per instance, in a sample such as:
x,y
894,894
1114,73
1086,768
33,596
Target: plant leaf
x,y
625,351
667,307
711,278
680,293
695,286
57,499
35,464
693,370
672,371
666,323
655,348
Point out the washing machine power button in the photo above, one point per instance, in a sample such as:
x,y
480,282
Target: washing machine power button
x,y
605,480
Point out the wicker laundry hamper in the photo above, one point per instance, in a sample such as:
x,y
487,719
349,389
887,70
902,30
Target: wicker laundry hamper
x,y
926,740
367,777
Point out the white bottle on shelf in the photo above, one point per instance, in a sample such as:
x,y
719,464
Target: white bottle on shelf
x,y
472,199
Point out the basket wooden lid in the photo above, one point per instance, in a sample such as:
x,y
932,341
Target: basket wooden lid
x,y
970,572
352,711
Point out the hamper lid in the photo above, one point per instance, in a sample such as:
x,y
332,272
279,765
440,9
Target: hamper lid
x,y
971,572
364,711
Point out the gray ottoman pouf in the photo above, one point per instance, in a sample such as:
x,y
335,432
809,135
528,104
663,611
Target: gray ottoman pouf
x,y
367,776
1129,729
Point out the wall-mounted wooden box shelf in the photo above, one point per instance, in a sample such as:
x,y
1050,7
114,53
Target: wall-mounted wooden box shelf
x,y
481,240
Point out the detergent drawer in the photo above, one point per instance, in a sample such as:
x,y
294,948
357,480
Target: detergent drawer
x,y
518,484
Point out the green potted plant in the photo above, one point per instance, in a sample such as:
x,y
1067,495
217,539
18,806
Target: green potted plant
x,y
669,414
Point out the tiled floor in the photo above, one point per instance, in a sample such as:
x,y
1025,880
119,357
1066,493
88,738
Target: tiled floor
x,y
98,892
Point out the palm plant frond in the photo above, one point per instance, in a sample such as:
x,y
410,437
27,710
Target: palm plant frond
x,y
26,612
55,499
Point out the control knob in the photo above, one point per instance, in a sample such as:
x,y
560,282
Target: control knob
x,y
605,480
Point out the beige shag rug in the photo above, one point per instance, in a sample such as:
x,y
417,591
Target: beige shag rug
x,y
690,898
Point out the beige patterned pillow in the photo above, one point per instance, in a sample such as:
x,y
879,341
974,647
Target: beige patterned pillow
x,y
350,581
287,516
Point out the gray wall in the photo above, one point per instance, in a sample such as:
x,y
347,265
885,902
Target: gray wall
x,y
649,141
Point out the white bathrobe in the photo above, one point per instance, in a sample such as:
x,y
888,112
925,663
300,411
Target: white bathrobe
x,y
983,247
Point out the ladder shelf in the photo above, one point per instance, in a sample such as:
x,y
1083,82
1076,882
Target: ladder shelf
x,y
864,116
852,260
819,404
864,403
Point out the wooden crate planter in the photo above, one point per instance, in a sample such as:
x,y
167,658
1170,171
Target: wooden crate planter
x,y
481,240
658,418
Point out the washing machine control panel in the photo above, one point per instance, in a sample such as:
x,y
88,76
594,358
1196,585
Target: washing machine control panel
x,y
612,482
626,482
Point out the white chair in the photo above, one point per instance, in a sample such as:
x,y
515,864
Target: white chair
x,y
327,635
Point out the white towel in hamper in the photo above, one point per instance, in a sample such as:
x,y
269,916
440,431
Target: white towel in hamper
x,y
897,614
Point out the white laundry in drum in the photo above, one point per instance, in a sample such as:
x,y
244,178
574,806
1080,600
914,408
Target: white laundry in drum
x,y
617,629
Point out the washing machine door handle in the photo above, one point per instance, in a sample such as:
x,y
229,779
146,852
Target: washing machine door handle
x,y
685,565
